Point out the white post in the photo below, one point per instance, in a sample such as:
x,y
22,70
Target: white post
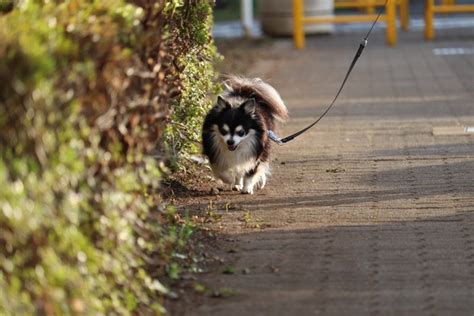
x,y
246,15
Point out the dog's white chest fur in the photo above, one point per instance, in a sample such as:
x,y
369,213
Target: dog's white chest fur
x,y
230,166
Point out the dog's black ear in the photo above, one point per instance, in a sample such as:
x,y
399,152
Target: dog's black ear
x,y
222,104
249,106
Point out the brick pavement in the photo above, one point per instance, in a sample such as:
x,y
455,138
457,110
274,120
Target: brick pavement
x,y
369,213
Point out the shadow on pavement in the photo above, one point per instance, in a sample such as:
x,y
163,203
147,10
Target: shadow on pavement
x,y
423,267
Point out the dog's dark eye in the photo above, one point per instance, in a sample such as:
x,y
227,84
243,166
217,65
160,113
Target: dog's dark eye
x,y
241,133
223,132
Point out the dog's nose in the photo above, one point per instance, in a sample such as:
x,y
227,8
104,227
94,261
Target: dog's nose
x,y
230,142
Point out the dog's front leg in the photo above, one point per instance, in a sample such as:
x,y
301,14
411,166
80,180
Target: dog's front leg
x,y
239,183
249,183
226,177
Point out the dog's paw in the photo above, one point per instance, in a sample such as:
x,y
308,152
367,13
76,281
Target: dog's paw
x,y
247,191
214,191
238,187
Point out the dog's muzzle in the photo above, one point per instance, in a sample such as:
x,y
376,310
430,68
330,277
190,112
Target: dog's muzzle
x,y
232,147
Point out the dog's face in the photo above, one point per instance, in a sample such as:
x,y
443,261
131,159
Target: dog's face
x,y
235,125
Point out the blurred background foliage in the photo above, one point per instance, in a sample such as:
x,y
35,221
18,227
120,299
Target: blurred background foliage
x,y
94,97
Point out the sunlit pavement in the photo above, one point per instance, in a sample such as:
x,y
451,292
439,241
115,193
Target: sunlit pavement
x,y
372,212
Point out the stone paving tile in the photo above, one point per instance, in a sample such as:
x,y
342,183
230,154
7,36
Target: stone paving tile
x,y
368,213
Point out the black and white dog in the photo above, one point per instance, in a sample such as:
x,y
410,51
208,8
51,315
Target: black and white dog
x,y
235,131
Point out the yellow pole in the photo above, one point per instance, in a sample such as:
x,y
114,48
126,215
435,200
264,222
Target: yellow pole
x,y
429,31
390,12
370,9
404,14
447,2
298,27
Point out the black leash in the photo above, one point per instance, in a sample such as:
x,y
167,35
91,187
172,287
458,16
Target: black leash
x,y
362,45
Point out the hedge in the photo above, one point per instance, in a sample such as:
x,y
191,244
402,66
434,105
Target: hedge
x,y
92,94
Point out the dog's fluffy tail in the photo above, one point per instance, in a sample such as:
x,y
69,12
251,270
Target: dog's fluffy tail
x,y
261,91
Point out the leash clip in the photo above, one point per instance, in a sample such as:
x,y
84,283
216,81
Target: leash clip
x,y
274,137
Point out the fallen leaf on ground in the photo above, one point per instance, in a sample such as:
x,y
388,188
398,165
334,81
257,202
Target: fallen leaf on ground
x,y
229,270
223,293
336,170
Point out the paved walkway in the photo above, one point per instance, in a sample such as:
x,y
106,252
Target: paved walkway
x,y
369,213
